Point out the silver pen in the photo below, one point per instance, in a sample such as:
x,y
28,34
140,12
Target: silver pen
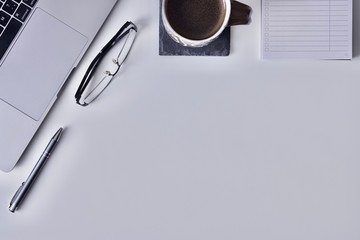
x,y
25,186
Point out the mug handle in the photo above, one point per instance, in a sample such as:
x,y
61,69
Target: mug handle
x,y
240,13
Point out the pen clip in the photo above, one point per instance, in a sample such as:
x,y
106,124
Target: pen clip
x,y
17,193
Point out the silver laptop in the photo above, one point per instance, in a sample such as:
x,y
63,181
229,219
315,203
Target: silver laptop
x,y
41,42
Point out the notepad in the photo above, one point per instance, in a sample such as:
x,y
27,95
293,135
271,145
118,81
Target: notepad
x,y
307,29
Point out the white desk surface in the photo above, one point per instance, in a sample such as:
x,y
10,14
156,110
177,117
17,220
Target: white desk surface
x,y
198,147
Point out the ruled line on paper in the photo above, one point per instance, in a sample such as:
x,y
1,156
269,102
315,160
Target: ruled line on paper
x,y
314,28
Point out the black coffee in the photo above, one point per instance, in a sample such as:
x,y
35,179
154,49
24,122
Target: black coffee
x,y
195,19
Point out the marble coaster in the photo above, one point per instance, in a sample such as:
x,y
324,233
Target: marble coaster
x,y
168,47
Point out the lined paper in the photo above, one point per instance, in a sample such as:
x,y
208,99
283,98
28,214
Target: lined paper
x,y
311,29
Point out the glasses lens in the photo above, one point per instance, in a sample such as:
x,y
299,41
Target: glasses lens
x,y
126,45
91,94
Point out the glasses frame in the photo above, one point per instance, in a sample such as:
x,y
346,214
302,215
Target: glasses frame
x,y
123,31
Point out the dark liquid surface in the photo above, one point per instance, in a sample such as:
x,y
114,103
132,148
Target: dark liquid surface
x,y
195,19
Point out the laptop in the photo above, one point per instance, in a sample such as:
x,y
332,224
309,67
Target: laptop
x,y
41,42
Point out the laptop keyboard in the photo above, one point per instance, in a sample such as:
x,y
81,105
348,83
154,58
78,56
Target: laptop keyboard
x,y
13,14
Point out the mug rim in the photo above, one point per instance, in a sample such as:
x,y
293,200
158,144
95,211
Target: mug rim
x,y
192,42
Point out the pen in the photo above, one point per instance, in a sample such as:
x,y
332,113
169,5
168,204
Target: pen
x,y
25,186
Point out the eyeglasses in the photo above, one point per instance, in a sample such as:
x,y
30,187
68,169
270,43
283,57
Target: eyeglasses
x,y
106,65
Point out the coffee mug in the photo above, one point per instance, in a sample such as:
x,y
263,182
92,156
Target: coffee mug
x,y
196,23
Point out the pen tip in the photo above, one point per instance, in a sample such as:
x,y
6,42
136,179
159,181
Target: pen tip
x,y
11,209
